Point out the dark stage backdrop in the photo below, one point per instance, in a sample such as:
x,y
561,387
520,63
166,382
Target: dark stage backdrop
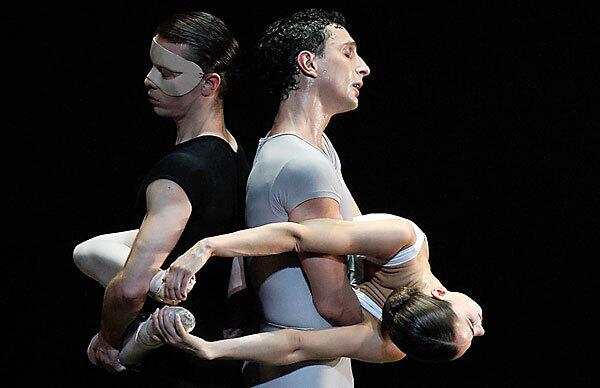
x,y
477,122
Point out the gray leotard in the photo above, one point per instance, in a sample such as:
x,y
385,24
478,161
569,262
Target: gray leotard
x,y
288,171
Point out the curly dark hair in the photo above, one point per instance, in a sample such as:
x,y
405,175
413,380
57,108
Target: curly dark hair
x,y
285,39
420,326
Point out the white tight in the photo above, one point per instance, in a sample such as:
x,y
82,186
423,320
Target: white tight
x,y
102,257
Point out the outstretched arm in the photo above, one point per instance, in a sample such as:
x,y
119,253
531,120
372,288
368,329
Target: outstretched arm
x,y
362,342
380,239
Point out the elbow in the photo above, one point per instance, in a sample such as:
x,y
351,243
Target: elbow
x,y
295,351
298,233
333,311
134,293
292,349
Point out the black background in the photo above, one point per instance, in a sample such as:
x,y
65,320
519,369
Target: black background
x,y
478,122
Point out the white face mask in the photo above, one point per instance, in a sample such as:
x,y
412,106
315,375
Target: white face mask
x,y
189,77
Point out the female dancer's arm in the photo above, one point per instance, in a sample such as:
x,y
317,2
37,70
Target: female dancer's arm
x,y
380,239
362,342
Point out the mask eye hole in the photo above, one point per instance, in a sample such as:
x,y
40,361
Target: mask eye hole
x,y
166,73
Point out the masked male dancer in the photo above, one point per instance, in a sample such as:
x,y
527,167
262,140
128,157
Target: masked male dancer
x,y
197,189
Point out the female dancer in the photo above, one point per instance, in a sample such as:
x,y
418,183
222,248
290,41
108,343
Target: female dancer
x,y
406,309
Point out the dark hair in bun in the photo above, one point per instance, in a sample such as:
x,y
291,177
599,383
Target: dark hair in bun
x,y
420,325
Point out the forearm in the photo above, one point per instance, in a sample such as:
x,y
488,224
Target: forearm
x,y
279,348
275,348
264,240
282,347
328,236
126,294
118,311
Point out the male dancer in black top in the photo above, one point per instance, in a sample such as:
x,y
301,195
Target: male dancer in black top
x,y
196,190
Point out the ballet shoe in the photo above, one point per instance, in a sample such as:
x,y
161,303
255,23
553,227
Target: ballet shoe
x,y
157,288
148,335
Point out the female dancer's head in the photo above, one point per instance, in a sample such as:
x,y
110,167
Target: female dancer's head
x,y
437,327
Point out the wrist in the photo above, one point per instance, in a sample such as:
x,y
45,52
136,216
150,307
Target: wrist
x,y
205,350
113,341
207,248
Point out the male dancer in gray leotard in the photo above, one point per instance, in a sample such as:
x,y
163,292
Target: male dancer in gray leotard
x,y
296,176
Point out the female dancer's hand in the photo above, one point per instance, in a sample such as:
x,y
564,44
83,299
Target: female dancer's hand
x,y
182,270
174,333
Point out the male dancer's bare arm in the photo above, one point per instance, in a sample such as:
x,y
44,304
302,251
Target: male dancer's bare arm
x,y
168,212
327,274
362,342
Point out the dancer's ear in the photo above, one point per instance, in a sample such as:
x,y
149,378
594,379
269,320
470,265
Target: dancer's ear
x,y
306,63
439,293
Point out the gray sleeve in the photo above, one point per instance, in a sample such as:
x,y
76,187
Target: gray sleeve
x,y
303,179
332,154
